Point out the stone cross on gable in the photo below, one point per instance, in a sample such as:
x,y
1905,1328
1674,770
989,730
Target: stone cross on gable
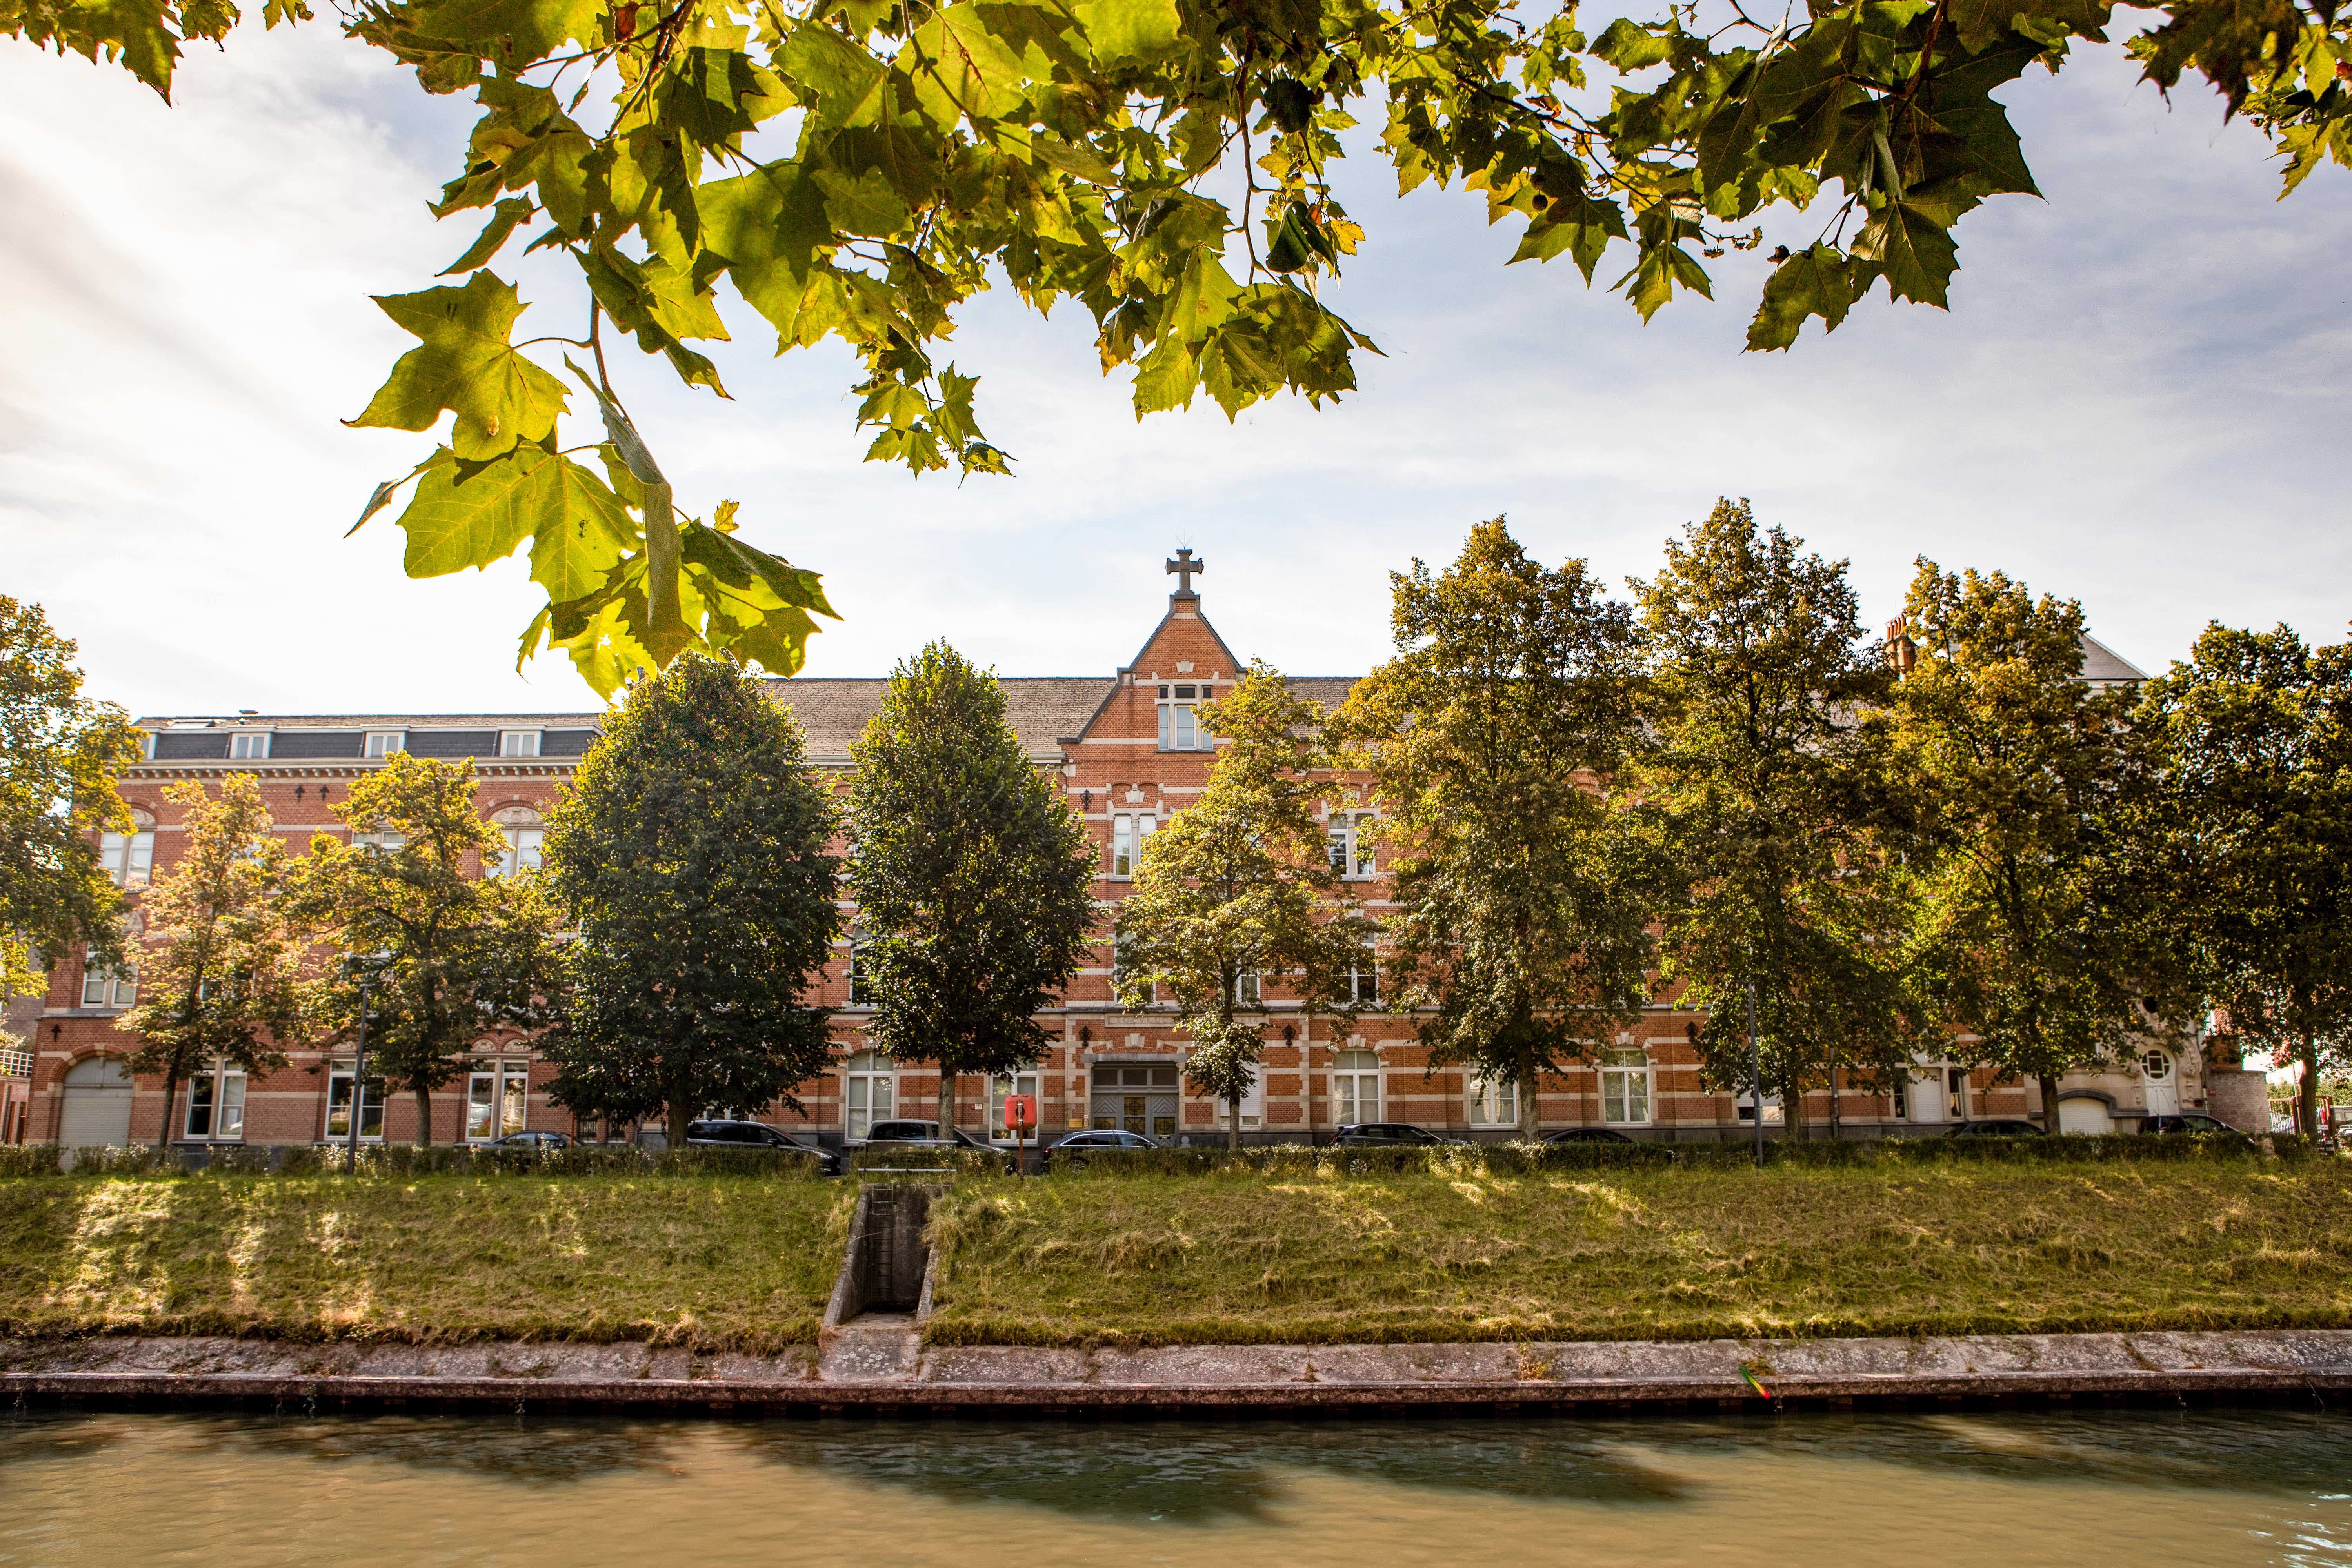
x,y
1183,566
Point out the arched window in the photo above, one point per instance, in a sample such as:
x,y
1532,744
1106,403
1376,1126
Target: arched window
x,y
870,1093
526,835
1355,1087
1494,1102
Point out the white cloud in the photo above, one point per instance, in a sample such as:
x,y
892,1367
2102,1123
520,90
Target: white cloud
x,y
2134,401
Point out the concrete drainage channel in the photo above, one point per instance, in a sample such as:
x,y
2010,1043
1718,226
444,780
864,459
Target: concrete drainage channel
x,y
873,1325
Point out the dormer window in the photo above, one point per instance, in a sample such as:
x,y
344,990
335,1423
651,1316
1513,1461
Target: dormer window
x,y
1180,729
385,743
248,746
518,742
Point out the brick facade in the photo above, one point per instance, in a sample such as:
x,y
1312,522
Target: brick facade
x,y
1122,747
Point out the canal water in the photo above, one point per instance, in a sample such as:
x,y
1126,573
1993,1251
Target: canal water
x,y
2132,1487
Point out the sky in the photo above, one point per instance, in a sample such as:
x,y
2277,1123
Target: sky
x,y
2138,400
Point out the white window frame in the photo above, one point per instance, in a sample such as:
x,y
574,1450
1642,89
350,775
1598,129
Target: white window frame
x,y
1129,832
870,1093
519,857
129,859
219,1092
1351,854
507,1106
850,975
104,987
249,746
1180,729
1249,990
381,743
518,742
1634,1086
1494,1102
384,839
339,1088
1252,1099
1364,980
1356,1072
1744,1110
1002,1084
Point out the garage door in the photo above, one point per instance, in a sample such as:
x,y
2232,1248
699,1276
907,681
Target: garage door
x,y
98,1105
1135,1097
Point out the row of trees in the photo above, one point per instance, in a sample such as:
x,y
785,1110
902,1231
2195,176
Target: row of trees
x,y
1945,844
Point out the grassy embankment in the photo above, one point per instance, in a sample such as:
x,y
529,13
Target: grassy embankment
x,y
717,1262
1661,1254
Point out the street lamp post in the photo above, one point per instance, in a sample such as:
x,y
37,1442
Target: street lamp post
x,y
1755,1073
364,969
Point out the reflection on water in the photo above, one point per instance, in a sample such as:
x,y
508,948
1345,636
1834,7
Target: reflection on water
x,y
2003,1490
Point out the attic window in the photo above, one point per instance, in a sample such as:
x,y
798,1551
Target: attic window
x,y
1180,730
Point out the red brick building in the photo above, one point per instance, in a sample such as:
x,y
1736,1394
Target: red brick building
x,y
1129,752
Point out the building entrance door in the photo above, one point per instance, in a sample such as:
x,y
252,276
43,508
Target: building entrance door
x,y
1137,1097
2163,1083
1930,1097
98,1105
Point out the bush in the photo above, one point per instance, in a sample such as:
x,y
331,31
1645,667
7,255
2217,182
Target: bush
x,y
141,1160
880,1160
591,1160
237,1160
29,1159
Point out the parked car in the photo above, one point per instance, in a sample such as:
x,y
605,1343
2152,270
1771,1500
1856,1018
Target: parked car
x,y
920,1132
1586,1135
539,1142
1072,1152
1997,1129
2186,1122
1388,1135
758,1135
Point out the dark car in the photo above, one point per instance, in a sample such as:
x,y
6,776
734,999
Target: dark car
x,y
2186,1122
920,1132
1997,1130
1586,1135
1388,1135
539,1142
1072,1152
758,1135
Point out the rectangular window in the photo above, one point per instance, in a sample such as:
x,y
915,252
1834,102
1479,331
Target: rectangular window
x,y
1254,1100
385,843
998,1087
338,1106
496,1096
102,987
1355,1098
1626,1087
1351,844
868,1097
524,849
248,747
1122,964
1494,1103
385,743
1179,728
128,856
1364,981
518,742
1247,989
1129,832
216,1104
859,996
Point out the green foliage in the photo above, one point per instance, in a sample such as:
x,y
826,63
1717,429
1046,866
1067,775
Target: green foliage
x,y
973,879
1765,784
455,956
692,856
2253,809
2021,778
222,959
1493,735
59,754
859,172
1237,897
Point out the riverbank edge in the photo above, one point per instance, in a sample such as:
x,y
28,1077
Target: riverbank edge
x,y
881,1370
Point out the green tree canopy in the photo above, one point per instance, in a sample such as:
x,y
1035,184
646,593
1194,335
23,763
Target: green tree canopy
x,y
693,858
2252,830
59,755
1238,896
858,171
221,966
456,955
972,878
1493,735
1757,760
2021,775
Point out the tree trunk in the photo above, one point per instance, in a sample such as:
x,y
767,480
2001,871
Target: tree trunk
x,y
1836,1125
947,1102
2307,1093
171,1093
1792,1112
680,1113
1532,1106
1234,1123
424,1115
2049,1083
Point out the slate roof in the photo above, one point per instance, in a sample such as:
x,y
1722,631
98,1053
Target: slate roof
x,y
1043,709
2101,662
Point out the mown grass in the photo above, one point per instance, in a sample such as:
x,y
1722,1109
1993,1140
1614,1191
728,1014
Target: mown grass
x,y
716,1263
1668,1254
